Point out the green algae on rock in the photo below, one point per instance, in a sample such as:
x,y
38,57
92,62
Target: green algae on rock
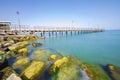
x,y
95,72
42,54
6,72
114,71
62,68
33,71
23,51
18,45
21,63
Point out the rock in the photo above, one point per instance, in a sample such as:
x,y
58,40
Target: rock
x,y
36,44
114,71
2,52
42,37
95,72
6,72
3,61
23,51
33,71
53,57
13,77
42,54
21,63
69,73
63,69
18,45
111,67
10,54
59,63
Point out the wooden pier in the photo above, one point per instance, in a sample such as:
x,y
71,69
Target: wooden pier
x,y
51,31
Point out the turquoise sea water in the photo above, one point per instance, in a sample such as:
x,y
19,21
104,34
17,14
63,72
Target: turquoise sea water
x,y
98,48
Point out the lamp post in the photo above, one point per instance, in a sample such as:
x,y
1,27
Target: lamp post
x,y
18,20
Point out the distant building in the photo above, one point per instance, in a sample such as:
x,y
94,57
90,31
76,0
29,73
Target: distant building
x,y
5,25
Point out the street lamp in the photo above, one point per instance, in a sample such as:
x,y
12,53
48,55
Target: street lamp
x,y
18,20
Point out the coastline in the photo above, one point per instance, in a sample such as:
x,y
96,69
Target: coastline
x,y
16,47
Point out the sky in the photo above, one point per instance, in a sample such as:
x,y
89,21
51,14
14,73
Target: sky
x,y
62,13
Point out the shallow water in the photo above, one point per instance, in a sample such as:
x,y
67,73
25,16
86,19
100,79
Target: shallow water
x,y
98,48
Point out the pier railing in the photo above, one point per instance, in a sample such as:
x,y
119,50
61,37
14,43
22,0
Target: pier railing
x,y
42,30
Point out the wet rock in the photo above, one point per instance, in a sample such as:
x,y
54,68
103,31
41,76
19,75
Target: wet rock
x,y
18,45
42,54
6,72
21,63
63,69
59,63
33,71
3,61
13,77
42,37
2,52
54,57
95,72
23,51
10,54
114,71
36,44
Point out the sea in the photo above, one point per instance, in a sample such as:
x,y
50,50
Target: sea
x,y
100,48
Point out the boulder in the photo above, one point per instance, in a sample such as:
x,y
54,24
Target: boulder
x,y
21,63
62,68
23,51
54,57
42,54
95,72
33,71
59,63
6,72
3,61
13,77
42,37
36,44
114,71
18,45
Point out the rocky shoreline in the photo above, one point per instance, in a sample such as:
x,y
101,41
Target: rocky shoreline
x,y
46,65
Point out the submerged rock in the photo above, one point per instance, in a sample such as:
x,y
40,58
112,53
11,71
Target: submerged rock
x,y
22,63
42,54
42,37
54,57
6,72
95,72
33,71
114,71
36,44
13,77
63,69
3,61
23,51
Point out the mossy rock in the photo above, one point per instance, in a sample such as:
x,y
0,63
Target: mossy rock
x,y
6,72
33,71
114,71
95,72
42,54
21,63
23,51
54,57
18,45
62,68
